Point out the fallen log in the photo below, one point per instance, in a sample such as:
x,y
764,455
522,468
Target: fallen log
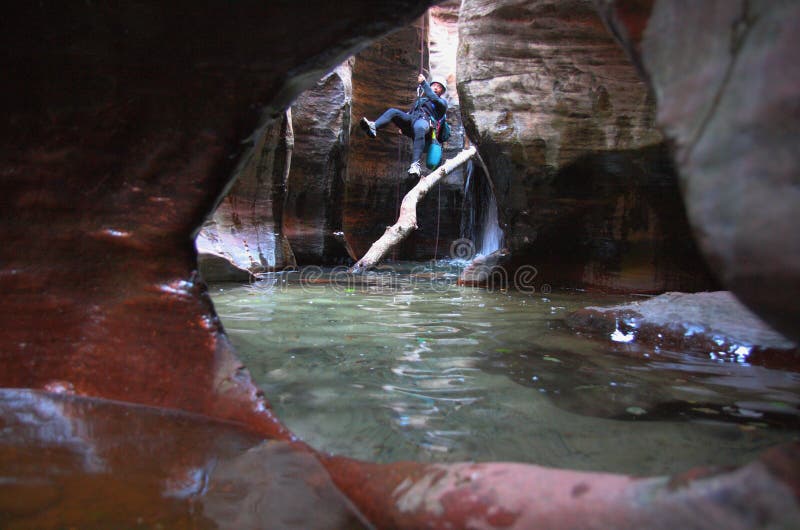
x,y
407,220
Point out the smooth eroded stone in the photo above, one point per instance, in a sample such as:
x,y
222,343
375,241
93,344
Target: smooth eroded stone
x,y
727,86
312,214
72,462
713,323
585,186
123,127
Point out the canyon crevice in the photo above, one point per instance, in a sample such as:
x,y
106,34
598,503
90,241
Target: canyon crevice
x,y
127,127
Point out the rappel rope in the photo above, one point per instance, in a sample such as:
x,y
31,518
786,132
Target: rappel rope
x,y
400,154
399,173
438,185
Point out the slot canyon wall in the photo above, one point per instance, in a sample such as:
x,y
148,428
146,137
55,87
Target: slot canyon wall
x,y
124,125
728,96
245,233
317,191
585,184
312,217
384,76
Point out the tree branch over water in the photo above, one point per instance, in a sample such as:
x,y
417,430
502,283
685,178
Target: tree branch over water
x,y
407,221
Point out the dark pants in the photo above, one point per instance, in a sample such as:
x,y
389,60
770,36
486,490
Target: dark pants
x,y
415,126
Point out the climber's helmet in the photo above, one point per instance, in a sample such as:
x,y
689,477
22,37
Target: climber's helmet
x,y
442,89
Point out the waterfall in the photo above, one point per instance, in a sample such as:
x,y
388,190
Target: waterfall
x,y
479,219
492,234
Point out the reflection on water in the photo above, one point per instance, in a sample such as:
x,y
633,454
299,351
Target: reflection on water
x,y
402,366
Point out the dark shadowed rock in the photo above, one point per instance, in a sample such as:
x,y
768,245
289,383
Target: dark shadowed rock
x,y
246,228
727,85
315,192
71,462
123,127
585,186
215,267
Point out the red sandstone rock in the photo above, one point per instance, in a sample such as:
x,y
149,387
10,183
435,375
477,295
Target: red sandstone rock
x,y
517,496
247,227
585,186
122,128
70,462
727,84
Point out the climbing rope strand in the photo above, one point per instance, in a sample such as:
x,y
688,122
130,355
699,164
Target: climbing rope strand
x,y
419,95
399,173
438,216
422,43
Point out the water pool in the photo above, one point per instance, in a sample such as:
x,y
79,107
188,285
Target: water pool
x,y
410,366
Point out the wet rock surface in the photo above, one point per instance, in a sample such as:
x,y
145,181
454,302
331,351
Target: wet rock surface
x,y
71,462
504,495
246,228
585,186
123,129
711,323
727,89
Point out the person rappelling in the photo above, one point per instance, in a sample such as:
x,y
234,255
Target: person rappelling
x,y
429,110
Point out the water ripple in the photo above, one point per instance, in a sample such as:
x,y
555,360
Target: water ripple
x,y
397,370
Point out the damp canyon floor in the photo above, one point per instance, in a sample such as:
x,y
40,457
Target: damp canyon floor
x,y
410,366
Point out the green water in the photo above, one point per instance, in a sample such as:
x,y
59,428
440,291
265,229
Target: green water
x,y
413,367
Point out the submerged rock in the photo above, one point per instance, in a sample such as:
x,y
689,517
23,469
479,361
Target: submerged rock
x,y
714,323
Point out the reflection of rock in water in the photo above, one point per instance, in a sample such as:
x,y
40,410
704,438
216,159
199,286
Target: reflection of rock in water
x,y
630,389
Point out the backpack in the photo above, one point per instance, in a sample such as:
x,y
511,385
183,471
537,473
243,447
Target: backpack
x,y
443,129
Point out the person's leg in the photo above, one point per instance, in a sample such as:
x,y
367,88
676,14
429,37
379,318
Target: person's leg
x,y
401,119
420,130
421,127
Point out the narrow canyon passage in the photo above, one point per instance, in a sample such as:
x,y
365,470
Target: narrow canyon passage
x,y
592,324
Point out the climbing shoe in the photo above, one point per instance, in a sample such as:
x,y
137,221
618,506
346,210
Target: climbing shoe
x,y
369,127
415,169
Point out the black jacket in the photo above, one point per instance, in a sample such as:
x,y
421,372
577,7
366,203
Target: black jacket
x,y
429,103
